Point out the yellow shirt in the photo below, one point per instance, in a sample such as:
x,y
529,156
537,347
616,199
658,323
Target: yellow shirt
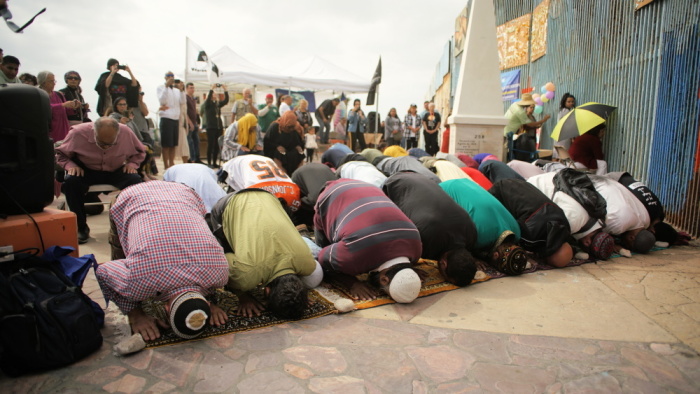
x,y
266,245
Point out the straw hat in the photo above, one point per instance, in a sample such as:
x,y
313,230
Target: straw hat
x,y
526,100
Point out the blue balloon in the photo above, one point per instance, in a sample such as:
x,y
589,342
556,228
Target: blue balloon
x,y
544,90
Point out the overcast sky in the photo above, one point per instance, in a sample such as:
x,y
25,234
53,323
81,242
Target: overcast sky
x,y
149,36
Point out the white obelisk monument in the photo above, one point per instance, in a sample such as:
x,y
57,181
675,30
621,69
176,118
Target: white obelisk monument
x,y
477,122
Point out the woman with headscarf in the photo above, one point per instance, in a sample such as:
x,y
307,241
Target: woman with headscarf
x,y
284,142
59,117
242,137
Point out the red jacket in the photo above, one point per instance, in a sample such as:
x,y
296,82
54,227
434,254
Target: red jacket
x,y
586,149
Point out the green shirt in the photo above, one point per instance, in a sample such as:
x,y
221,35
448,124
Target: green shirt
x,y
266,245
489,215
266,120
517,116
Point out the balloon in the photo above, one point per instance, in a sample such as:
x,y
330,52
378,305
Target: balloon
x,y
544,89
544,99
538,109
550,86
539,101
549,95
535,96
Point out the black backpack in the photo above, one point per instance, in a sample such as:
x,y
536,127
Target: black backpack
x,y
580,187
45,320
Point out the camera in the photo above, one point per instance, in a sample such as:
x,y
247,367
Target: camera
x,y
121,67
218,85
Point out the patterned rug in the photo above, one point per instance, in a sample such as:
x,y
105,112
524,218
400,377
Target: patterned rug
x,y
434,282
322,303
229,303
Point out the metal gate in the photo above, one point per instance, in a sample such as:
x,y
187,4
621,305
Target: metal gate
x,y
645,62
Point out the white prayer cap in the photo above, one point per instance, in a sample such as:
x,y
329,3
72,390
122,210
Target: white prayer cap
x,y
315,278
405,286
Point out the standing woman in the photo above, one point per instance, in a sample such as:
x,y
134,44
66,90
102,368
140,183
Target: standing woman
x,y
568,102
59,106
284,142
303,115
356,126
71,92
182,148
211,112
412,123
392,128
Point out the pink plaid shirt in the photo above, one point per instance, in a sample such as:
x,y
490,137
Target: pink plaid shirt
x,y
168,246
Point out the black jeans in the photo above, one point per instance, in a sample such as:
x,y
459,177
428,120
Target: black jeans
x,y
358,140
411,143
213,146
310,154
75,188
431,143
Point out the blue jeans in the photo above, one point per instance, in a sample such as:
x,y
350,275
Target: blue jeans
x,y
193,142
324,128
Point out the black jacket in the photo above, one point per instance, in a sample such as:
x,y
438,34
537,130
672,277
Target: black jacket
x,y
443,225
311,178
543,225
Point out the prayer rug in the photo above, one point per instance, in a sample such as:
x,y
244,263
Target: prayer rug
x,y
229,303
434,283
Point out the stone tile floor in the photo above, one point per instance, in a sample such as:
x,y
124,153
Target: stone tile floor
x,y
625,325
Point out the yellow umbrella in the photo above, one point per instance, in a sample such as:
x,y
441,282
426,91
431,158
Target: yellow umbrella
x,y
580,120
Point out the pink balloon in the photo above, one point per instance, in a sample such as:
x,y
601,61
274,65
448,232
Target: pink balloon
x,y
539,101
535,96
549,95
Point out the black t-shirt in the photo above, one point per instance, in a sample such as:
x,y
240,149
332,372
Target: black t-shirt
x,y
443,225
434,122
328,108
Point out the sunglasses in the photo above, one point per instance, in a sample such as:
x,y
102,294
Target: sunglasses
x,y
169,75
74,78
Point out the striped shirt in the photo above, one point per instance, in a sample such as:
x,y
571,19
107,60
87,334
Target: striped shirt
x,y
359,228
168,246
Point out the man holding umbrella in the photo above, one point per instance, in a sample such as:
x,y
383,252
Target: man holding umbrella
x,y
586,124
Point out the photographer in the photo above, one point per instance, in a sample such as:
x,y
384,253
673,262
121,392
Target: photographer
x,y
111,85
71,92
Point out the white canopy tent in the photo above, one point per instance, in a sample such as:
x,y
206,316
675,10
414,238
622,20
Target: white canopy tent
x,y
315,73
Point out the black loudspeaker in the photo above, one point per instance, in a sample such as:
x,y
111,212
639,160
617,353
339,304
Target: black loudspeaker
x,y
26,152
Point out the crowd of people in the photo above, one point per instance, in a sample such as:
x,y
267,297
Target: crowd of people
x,y
282,226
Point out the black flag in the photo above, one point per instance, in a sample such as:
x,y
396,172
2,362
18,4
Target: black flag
x,y
376,80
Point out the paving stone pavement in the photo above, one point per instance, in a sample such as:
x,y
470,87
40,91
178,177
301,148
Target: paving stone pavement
x,y
467,340
343,354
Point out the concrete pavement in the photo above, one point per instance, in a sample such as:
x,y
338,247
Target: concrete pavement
x,y
625,325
